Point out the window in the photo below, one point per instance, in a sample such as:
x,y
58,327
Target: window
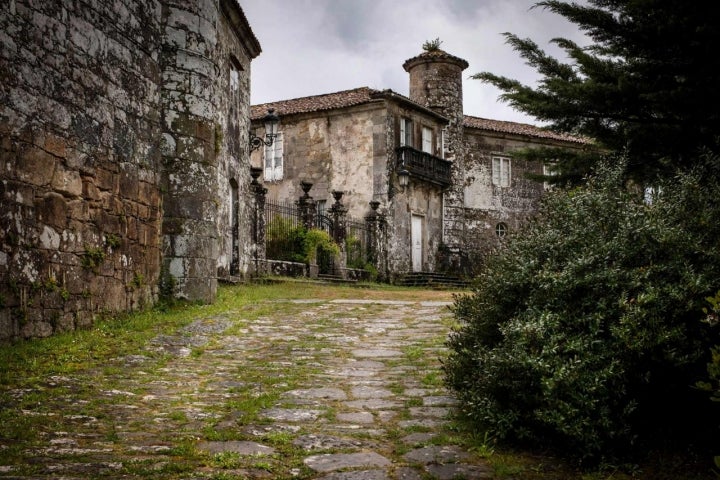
x,y
501,230
235,69
406,132
274,160
501,171
427,140
234,79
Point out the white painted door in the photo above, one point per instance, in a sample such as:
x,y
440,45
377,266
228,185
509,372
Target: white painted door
x,y
416,238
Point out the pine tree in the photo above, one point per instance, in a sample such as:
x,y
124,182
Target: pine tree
x,y
647,85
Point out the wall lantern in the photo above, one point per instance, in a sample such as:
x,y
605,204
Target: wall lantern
x,y
271,122
404,177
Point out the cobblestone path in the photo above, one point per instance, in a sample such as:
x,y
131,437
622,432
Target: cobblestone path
x,y
336,390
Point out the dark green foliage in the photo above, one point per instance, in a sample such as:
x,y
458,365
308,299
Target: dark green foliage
x,y
285,240
295,243
584,332
712,319
646,85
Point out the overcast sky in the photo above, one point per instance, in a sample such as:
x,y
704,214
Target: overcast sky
x,y
312,47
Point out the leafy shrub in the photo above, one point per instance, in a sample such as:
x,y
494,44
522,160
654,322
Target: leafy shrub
x,y
285,240
316,239
583,333
290,242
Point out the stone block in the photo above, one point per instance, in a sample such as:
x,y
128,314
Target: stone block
x,y
107,181
66,323
17,192
84,319
200,289
148,194
90,190
40,329
52,210
56,145
67,182
129,180
35,166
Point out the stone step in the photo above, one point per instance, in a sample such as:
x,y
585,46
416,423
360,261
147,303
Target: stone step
x,y
433,279
334,278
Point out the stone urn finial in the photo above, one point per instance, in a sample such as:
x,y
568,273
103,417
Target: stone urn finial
x,y
306,186
255,173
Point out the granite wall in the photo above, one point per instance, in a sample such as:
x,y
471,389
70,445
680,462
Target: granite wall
x,y
113,137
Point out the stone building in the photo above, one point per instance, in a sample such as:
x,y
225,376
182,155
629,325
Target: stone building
x,y
466,189
124,159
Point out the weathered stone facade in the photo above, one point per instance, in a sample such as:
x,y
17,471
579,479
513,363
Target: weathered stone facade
x,y
121,137
311,142
465,189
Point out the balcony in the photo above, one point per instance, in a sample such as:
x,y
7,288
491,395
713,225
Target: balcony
x,y
424,166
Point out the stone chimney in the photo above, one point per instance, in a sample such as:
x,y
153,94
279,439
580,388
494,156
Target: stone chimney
x,y
436,82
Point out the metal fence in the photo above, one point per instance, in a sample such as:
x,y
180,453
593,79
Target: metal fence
x,y
356,243
284,233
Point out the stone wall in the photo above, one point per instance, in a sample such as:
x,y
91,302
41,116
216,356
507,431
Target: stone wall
x,y
206,107
115,133
80,122
333,151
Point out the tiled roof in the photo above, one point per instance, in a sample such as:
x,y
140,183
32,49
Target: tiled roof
x,y
501,126
358,96
316,103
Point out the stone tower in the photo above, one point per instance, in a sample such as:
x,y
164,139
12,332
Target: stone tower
x,y
436,83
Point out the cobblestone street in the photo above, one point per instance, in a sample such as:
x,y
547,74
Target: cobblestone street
x,y
334,389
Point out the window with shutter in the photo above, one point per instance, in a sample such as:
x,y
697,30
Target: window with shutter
x,y
274,160
406,132
501,172
427,140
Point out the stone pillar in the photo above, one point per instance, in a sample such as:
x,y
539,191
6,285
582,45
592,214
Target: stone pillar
x,y
377,239
339,232
339,216
307,210
372,223
258,227
307,206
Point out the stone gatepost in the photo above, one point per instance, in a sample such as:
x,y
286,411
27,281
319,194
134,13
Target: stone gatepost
x,y
308,209
307,206
377,241
339,231
258,227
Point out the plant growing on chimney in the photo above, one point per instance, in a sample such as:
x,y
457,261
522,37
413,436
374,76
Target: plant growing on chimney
x,y
432,45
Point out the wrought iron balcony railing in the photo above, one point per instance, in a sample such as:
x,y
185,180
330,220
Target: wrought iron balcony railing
x,y
424,166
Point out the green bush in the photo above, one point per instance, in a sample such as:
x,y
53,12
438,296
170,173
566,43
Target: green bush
x,y
583,333
316,239
295,243
285,240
